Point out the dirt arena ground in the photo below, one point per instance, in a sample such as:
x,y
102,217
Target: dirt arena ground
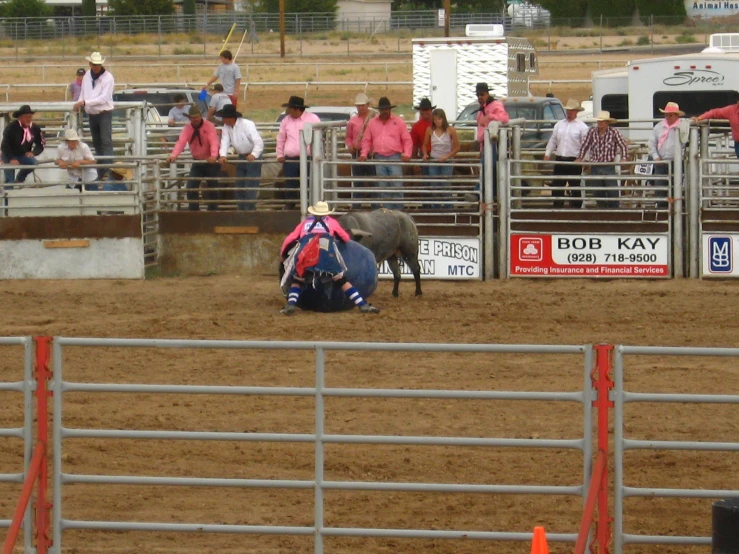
x,y
678,312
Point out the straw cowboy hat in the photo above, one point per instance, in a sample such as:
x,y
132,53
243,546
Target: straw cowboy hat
x,y
126,173
361,99
320,209
24,110
672,107
573,104
71,134
604,115
96,58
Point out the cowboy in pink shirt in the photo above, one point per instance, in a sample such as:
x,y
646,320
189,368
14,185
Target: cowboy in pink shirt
x,y
727,112
490,110
355,129
288,144
202,137
388,139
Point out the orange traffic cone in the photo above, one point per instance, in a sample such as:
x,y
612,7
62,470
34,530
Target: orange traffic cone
x,y
539,544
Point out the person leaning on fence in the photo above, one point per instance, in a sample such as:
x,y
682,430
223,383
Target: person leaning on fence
x,y
229,74
355,129
565,143
419,128
179,112
440,145
288,145
218,101
202,137
120,178
23,140
97,100
603,143
490,110
731,113
72,154
241,134
388,140
311,249
662,147
75,87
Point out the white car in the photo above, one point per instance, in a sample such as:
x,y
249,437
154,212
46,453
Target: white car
x,y
328,113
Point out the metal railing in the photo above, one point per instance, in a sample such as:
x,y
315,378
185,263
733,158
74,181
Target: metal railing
x,y
320,438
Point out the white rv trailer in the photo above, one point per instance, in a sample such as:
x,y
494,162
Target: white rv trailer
x,y
697,82
447,69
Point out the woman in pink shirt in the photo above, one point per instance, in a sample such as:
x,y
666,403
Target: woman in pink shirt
x,y
315,255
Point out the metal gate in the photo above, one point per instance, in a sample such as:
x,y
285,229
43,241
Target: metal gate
x,y
320,439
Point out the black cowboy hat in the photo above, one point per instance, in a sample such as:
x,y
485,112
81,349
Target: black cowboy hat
x,y
25,109
229,110
424,104
481,87
295,102
384,104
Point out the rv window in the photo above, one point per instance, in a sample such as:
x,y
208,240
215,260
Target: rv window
x,y
521,63
616,104
532,61
693,102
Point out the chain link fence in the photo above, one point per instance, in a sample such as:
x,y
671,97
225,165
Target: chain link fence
x,y
298,23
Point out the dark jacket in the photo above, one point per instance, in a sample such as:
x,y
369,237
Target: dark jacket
x,y
13,135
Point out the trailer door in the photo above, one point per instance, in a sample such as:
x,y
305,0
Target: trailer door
x,y
444,81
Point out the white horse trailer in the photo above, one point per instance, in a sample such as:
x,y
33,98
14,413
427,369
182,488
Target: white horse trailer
x,y
697,82
446,69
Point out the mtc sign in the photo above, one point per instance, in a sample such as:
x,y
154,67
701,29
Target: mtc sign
x,y
622,255
443,258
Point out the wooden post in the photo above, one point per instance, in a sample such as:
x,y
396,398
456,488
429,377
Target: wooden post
x,y
282,28
447,16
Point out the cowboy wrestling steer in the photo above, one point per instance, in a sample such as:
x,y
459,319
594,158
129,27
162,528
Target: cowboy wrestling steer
x,y
390,235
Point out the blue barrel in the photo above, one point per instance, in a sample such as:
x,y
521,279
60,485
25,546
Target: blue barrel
x,y
361,272
725,538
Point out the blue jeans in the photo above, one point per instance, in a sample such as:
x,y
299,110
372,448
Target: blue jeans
x,y
114,186
736,148
23,173
247,189
494,146
291,171
389,170
361,171
609,186
101,129
437,172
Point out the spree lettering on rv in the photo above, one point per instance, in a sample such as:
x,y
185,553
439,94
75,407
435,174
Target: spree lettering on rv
x,y
698,76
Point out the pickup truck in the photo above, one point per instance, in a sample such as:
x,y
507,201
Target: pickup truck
x,y
542,109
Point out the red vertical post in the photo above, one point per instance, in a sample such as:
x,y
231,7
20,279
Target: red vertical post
x,y
603,383
43,375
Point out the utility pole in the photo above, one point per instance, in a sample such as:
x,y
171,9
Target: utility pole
x,y
447,16
282,28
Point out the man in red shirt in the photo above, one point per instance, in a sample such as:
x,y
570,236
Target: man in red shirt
x,y
731,113
419,128
202,138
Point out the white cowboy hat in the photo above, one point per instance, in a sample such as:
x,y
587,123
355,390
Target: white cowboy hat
x,y
604,115
361,99
573,104
672,107
96,58
320,209
71,134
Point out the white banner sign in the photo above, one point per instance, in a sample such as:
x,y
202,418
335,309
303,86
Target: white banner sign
x,y
443,258
718,255
711,8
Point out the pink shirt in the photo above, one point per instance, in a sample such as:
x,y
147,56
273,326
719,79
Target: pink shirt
x,y
387,138
729,112
334,229
205,144
494,111
353,130
288,137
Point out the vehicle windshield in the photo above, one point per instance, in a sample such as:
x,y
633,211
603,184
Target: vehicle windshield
x,y
163,101
324,116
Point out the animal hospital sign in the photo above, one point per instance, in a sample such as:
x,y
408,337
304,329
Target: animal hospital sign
x,y
443,258
711,8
